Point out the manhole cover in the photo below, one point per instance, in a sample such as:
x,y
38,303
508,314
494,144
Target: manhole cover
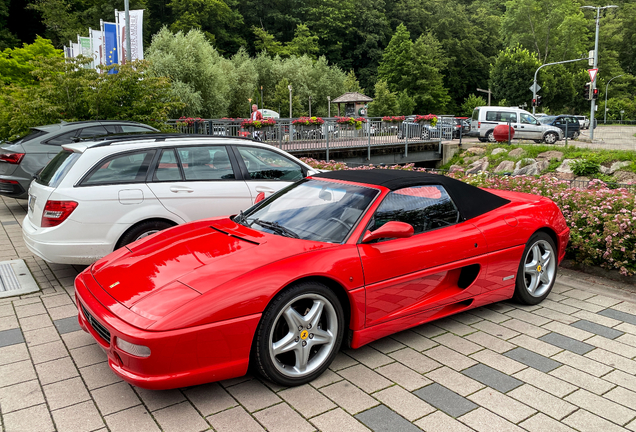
x,y
16,279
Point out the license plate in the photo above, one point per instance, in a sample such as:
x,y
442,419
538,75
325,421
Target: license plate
x,y
31,203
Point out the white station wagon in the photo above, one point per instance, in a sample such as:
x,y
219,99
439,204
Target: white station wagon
x,y
95,197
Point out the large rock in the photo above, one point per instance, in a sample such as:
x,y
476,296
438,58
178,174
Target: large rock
x,y
625,177
549,155
477,166
455,168
471,159
518,152
532,169
564,176
498,150
566,166
617,166
505,166
476,150
524,162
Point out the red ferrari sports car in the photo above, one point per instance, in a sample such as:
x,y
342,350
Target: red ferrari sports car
x,y
343,255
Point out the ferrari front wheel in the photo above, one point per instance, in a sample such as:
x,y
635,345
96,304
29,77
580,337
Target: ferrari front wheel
x,y
299,334
537,270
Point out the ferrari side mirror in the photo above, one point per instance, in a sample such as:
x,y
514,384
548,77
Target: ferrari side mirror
x,y
391,229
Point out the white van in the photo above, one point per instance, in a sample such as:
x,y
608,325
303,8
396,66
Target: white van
x,y
526,126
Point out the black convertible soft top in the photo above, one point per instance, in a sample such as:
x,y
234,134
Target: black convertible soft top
x,y
471,201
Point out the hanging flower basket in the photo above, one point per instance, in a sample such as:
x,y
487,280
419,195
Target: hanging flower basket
x,y
258,124
308,121
393,119
350,121
189,121
430,119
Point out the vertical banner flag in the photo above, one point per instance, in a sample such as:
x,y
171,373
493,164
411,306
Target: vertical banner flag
x,y
110,45
136,34
85,50
77,49
97,47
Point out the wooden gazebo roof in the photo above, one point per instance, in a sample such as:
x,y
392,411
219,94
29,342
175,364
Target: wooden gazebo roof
x,y
352,97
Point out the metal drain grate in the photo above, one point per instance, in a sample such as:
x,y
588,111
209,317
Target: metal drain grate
x,y
16,279
8,278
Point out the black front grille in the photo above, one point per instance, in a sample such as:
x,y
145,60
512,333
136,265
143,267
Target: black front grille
x,y
99,329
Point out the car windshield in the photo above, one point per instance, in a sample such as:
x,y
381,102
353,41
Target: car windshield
x,y
311,210
547,119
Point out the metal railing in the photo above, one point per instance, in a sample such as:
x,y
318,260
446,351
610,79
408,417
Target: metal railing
x,y
328,136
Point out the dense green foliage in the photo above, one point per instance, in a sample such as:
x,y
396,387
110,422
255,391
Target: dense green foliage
x,y
432,54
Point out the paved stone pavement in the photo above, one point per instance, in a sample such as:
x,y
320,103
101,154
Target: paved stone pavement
x,y
567,364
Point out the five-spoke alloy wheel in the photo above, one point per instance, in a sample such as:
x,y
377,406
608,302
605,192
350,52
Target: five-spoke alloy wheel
x,y
299,334
537,270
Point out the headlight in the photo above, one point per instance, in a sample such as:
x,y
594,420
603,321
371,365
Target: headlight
x,y
132,349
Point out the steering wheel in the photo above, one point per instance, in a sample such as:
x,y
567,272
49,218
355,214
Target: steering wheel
x,y
343,224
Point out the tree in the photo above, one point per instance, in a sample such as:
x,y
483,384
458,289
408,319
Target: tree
x,y
266,42
191,60
304,43
395,67
281,100
16,64
244,81
385,102
66,90
217,19
470,103
512,75
554,30
405,103
427,84
351,83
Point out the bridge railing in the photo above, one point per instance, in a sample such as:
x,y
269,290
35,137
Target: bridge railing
x,y
328,136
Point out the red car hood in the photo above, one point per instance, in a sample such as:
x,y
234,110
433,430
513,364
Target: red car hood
x,y
144,276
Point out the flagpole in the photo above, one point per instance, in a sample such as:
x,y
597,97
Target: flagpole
x,y
102,55
118,44
127,20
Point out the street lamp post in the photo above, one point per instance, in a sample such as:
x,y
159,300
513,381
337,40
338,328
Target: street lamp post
x,y
261,98
249,111
290,100
127,21
309,106
598,16
606,88
328,106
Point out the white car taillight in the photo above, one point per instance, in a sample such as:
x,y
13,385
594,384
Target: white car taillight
x,y
56,212
132,349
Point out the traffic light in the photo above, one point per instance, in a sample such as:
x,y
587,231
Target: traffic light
x,y
534,102
595,94
538,100
587,93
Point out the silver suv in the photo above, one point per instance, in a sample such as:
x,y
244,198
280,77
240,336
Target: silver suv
x,y
20,160
526,126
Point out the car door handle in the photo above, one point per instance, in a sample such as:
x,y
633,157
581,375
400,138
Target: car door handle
x,y
264,189
177,189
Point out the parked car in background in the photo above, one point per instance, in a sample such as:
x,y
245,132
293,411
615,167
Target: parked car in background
x,y
21,159
343,257
95,197
583,121
567,123
409,128
526,126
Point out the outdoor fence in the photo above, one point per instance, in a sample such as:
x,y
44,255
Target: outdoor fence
x,y
328,136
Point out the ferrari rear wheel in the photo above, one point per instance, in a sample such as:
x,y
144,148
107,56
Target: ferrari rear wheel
x,y
537,270
299,334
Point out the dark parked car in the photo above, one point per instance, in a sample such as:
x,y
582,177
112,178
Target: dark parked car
x,y
564,122
408,128
21,159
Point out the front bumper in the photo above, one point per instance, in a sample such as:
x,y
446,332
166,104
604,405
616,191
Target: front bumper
x,y
179,358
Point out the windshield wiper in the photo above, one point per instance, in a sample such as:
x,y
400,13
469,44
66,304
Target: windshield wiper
x,y
274,226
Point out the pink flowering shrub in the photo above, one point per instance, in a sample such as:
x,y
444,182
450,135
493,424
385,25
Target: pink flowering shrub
x,y
602,221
